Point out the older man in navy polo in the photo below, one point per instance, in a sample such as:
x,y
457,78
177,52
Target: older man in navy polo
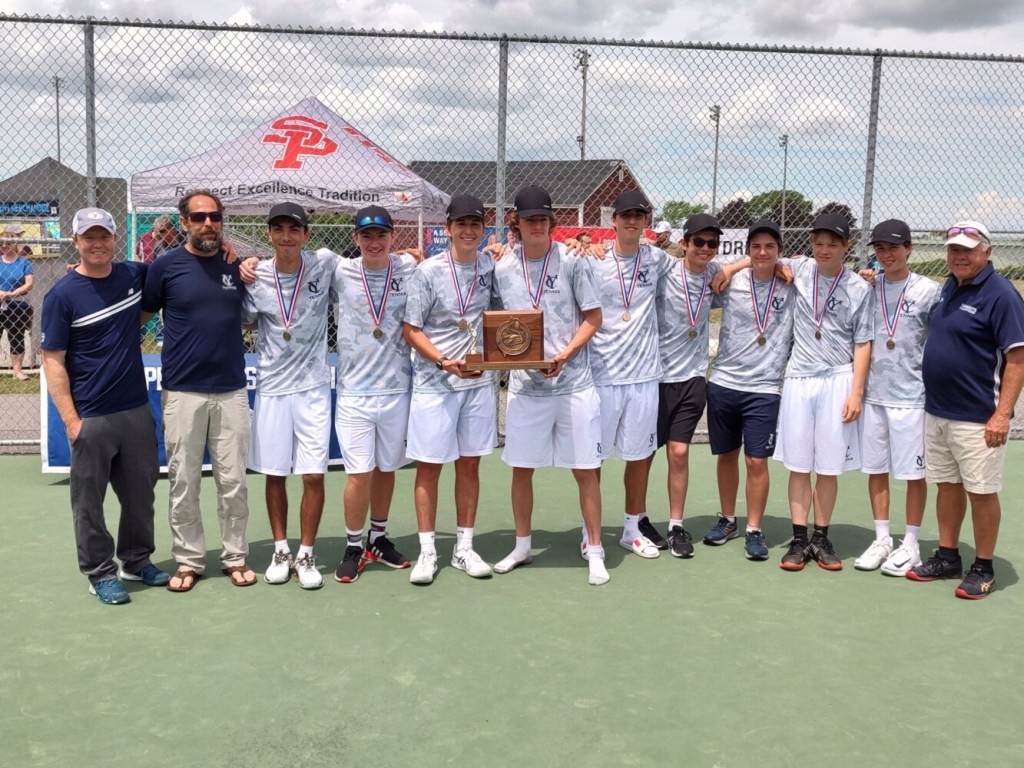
x,y
973,370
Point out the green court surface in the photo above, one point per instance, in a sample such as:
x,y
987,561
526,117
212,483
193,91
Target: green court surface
x,y
714,661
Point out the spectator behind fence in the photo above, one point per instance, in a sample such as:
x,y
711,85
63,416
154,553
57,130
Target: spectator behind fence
x,y
95,377
161,238
972,370
663,240
15,282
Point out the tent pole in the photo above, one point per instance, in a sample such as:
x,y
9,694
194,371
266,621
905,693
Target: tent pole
x,y
419,234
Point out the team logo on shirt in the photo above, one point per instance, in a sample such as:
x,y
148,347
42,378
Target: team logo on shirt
x,y
908,306
314,286
551,283
396,285
227,282
969,309
484,281
833,303
778,303
644,277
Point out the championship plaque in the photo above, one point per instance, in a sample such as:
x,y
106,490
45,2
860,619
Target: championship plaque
x,y
512,340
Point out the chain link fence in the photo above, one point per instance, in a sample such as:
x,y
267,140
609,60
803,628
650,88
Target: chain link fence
x,y
127,115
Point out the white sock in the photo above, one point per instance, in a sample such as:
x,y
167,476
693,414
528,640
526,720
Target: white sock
x,y
675,524
304,550
630,526
595,564
355,538
730,518
523,545
751,529
427,543
282,546
463,538
913,531
881,530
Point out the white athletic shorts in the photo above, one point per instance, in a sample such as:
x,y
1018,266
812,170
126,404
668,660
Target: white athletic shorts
x,y
892,440
555,430
446,425
955,452
371,431
305,418
629,420
812,435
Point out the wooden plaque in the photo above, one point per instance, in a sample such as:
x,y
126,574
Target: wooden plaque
x,y
512,339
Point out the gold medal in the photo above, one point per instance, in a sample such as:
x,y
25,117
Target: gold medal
x,y
761,341
287,336
817,334
626,316
463,325
692,333
890,344
378,334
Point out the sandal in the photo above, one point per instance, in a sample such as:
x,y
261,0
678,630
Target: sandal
x,y
240,570
187,579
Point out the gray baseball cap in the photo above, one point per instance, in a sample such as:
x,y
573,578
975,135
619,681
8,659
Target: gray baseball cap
x,y
87,218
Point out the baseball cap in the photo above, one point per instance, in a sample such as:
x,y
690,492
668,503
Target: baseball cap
x,y
765,226
464,206
533,201
834,223
961,238
891,231
87,218
292,211
662,227
631,200
14,230
700,221
374,217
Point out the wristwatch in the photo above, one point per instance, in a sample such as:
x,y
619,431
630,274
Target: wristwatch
x,y
440,362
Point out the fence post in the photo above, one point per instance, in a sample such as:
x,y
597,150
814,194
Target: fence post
x,y
90,112
499,176
869,170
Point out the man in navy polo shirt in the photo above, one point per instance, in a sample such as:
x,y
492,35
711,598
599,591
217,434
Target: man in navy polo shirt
x,y
93,369
973,369
204,399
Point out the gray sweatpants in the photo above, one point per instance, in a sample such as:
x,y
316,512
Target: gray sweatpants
x,y
117,450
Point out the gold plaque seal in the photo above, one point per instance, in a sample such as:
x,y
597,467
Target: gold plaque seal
x,y
513,337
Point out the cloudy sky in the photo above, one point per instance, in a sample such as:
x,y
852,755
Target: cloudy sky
x,y
982,26
944,126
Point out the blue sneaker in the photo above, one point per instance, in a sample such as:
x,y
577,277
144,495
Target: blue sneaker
x,y
755,548
150,575
110,592
722,532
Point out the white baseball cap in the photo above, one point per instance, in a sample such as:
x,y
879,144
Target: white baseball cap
x,y
662,226
966,233
87,218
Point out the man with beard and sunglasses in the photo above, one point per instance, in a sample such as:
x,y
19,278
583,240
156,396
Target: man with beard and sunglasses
x,y
205,404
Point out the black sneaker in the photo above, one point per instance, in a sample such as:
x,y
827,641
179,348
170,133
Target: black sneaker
x,y
680,542
935,568
647,529
976,584
796,556
383,551
824,553
351,565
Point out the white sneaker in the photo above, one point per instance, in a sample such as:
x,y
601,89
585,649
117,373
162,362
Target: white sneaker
x,y
514,560
640,545
598,573
309,576
466,559
874,555
425,568
902,559
280,568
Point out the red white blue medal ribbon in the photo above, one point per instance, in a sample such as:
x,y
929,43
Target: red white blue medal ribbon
x,y
375,313
627,298
536,295
692,315
819,318
288,312
463,302
890,326
761,318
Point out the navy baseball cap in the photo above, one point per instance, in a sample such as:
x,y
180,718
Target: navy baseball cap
x,y
465,206
765,226
891,231
292,211
834,223
533,201
699,222
631,200
374,217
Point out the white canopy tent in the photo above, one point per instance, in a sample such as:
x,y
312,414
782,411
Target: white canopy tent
x,y
307,155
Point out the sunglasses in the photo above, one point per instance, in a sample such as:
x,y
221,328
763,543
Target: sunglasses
x,y
700,242
971,232
198,217
373,221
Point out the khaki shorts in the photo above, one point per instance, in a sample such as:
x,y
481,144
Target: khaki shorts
x,y
955,452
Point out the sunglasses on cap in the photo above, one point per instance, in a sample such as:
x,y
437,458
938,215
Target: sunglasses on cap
x,y
971,232
198,217
373,221
700,242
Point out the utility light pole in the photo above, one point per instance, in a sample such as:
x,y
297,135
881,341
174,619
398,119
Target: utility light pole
x,y
716,115
583,63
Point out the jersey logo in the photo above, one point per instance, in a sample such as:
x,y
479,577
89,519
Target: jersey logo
x,y
300,135
969,309
314,286
778,303
551,281
484,281
227,282
396,284
908,306
643,276
832,303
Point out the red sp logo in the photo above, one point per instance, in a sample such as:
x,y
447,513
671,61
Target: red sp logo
x,y
301,135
